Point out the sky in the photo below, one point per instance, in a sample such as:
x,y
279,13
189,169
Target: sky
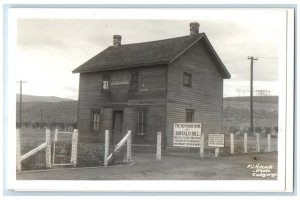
x,y
48,49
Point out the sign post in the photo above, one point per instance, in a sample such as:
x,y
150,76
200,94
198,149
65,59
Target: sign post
x,y
202,146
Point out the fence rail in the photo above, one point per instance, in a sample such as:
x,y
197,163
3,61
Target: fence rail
x,y
46,145
127,138
49,157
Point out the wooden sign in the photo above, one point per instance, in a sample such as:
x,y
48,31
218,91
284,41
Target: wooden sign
x,y
187,134
216,140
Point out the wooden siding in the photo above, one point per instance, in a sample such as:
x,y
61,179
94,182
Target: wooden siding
x,y
205,96
151,95
161,93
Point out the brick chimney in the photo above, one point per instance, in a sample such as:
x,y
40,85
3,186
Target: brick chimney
x,y
194,28
117,40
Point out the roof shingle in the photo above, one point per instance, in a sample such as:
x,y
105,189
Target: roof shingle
x,y
140,54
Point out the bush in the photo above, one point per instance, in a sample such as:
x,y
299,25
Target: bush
x,y
258,129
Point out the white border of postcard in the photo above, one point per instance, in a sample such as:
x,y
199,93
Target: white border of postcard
x,y
286,72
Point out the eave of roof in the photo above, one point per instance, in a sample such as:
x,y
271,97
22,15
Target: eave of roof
x,y
117,67
87,67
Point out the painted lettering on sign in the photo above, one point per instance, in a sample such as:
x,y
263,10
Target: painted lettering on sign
x,y
187,134
216,140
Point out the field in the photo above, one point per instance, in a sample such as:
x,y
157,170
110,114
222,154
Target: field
x,y
236,112
32,138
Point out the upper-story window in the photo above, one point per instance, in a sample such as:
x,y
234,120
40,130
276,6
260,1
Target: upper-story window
x,y
187,79
134,80
189,115
105,82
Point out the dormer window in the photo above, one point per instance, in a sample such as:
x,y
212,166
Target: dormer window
x,y
105,82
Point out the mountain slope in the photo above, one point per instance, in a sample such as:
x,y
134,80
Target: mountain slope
x,y
61,112
31,98
236,111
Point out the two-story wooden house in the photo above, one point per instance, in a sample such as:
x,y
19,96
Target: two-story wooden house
x,y
147,87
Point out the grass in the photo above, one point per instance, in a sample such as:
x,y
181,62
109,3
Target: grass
x,y
31,138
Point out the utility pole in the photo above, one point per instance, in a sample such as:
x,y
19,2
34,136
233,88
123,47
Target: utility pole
x,y
251,58
41,117
21,82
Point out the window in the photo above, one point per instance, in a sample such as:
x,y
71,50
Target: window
x,y
95,121
189,115
141,122
187,79
134,80
105,82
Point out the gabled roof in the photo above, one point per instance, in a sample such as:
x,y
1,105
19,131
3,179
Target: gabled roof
x,y
145,54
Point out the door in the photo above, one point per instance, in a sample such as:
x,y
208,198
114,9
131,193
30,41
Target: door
x,y
117,126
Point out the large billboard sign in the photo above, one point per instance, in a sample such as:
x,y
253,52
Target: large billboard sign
x,y
187,134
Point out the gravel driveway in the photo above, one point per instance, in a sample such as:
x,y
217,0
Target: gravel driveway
x,y
256,166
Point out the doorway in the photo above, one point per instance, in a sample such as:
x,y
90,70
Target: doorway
x,y
117,127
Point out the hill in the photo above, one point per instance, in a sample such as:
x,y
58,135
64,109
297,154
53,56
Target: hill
x,y
236,111
59,112
31,98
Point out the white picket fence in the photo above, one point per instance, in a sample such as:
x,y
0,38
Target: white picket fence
x,y
245,143
46,145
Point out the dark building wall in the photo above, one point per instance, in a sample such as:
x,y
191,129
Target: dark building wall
x,y
205,96
151,96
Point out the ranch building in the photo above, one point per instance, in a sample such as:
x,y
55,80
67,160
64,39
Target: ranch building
x,y
147,87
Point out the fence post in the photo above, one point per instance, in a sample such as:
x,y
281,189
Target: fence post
x,y
18,151
48,149
74,148
269,142
55,140
106,147
231,143
129,147
158,146
217,151
202,145
257,142
245,142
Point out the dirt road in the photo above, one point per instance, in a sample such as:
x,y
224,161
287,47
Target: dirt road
x,y
256,166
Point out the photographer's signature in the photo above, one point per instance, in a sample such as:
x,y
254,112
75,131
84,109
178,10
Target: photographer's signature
x,y
259,170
